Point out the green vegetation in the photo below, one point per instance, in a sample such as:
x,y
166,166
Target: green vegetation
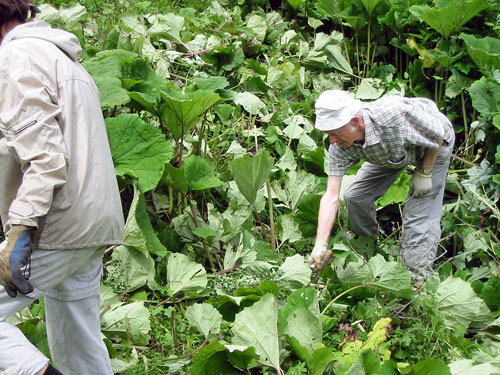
x,y
209,110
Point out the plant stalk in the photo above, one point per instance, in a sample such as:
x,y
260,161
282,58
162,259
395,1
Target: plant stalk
x,y
344,293
271,216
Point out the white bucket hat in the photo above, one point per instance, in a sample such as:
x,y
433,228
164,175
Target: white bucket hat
x,y
334,109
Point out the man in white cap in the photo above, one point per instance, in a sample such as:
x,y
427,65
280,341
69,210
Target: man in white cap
x,y
388,134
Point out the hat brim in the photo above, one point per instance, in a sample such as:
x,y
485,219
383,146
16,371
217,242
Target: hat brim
x,y
325,121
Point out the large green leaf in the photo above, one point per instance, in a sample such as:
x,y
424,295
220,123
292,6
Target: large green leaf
x,y
366,364
301,318
397,193
168,26
199,175
370,5
297,185
106,74
212,360
185,275
204,317
391,276
458,304
467,367
138,229
450,17
251,173
181,111
138,150
485,96
242,357
258,24
388,276
295,271
354,272
257,326
128,321
485,52
250,102
194,174
320,360
131,269
288,229
430,366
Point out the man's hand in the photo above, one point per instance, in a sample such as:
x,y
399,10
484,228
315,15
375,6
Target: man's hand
x,y
13,257
421,184
320,256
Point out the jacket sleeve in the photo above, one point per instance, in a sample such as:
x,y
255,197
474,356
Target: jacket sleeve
x,y
28,120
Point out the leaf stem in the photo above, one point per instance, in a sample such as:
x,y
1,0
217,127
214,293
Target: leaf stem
x,y
344,293
271,215
190,354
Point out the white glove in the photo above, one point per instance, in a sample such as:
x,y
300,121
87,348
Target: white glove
x,y
421,184
319,256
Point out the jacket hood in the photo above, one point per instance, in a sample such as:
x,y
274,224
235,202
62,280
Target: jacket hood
x,y
65,41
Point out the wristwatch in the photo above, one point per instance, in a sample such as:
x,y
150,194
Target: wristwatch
x,y
426,171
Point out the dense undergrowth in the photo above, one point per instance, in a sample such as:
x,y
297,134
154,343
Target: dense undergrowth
x,y
209,111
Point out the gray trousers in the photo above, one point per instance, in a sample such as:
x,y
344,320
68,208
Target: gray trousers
x,y
421,215
70,282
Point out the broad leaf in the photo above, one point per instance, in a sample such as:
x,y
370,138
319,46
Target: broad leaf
x,y
251,174
295,271
391,276
458,304
300,318
211,360
370,89
355,272
181,111
131,269
199,175
138,229
449,18
430,366
485,96
106,74
288,229
366,364
204,317
467,367
195,174
397,193
138,150
130,321
242,357
258,24
185,275
168,26
320,360
485,52
250,102
257,326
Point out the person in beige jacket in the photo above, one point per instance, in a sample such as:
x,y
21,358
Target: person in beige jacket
x,y
59,200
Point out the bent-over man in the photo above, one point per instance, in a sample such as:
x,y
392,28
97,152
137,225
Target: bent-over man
x,y
388,134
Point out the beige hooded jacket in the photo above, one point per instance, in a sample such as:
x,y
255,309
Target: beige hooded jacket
x,y
56,171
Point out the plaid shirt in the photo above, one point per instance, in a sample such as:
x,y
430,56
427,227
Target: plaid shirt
x,y
397,132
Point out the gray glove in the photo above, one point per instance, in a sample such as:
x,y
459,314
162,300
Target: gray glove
x,y
421,184
320,256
